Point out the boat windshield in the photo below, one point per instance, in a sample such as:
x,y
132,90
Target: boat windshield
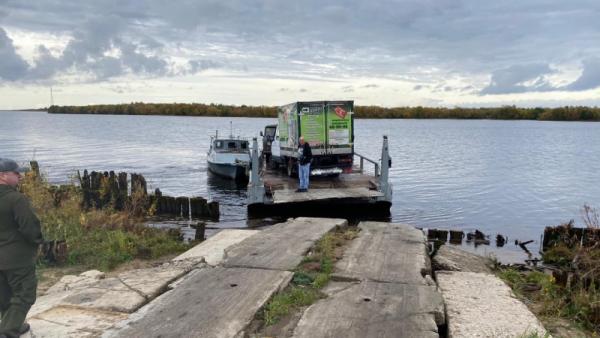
x,y
231,145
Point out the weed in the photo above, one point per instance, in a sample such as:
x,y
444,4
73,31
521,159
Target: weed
x,y
100,239
312,274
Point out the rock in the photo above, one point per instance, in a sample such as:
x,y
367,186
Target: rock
x,y
70,282
62,321
150,282
450,258
212,250
481,305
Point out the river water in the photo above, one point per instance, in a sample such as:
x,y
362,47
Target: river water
x,y
507,177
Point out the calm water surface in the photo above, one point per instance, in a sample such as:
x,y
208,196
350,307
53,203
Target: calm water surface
x,y
508,177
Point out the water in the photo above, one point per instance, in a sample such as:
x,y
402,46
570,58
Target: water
x,y
508,177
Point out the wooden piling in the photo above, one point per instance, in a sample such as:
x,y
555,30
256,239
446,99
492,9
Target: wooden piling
x,y
200,230
35,168
456,236
213,210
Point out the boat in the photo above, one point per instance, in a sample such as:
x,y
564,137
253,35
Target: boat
x,y
229,157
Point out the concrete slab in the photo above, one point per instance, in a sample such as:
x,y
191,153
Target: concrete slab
x,y
153,281
82,280
213,249
373,309
281,246
386,252
64,321
43,328
125,293
481,305
105,299
290,195
451,258
214,302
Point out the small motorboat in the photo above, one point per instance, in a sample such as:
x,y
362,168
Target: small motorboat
x,y
229,157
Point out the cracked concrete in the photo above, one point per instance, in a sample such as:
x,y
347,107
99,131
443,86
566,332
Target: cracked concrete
x,y
88,304
479,304
381,288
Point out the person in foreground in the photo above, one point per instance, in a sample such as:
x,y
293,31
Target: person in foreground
x,y
20,235
304,164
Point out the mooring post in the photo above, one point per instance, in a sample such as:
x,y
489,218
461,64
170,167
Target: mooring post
x,y
256,188
384,184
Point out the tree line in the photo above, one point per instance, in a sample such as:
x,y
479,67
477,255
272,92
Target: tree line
x,y
567,113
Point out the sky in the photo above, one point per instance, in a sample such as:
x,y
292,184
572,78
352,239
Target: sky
x,y
449,53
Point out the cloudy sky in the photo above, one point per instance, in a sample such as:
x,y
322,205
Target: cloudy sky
x,y
380,52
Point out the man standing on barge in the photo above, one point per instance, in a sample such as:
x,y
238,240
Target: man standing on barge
x,y
304,159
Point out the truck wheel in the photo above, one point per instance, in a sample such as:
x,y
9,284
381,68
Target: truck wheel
x,y
290,168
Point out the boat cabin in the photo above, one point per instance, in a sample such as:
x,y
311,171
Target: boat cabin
x,y
230,146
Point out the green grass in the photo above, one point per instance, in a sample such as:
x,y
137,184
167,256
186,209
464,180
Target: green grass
x,y
311,275
98,239
577,303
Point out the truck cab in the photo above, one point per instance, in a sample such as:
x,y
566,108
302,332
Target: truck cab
x,y
267,139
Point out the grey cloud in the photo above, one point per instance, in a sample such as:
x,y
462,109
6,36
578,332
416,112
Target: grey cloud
x,y
12,66
347,89
387,38
200,65
590,77
370,86
511,79
303,90
418,87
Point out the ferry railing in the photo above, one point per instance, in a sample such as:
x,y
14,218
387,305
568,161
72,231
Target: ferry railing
x,y
362,164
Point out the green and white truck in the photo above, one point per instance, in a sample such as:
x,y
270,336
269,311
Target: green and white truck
x,y
328,126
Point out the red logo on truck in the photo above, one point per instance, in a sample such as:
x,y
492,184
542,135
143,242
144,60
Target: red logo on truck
x,y
340,112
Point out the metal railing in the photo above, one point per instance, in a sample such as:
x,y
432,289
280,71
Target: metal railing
x,y
362,163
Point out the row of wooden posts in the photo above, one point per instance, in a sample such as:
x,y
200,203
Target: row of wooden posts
x,y
108,189
457,236
570,236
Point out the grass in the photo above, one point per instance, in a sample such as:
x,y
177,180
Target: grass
x,y
309,278
98,239
551,301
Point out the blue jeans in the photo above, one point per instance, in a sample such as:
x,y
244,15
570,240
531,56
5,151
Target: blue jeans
x,y
303,174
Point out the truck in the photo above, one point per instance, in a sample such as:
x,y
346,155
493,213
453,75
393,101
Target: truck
x,y
328,126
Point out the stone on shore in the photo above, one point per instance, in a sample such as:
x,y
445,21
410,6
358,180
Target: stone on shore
x,y
213,249
450,258
481,305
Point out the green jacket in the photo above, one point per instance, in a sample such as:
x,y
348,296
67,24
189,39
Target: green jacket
x,y
20,232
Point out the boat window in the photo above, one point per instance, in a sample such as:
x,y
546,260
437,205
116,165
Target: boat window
x,y
270,132
231,145
244,145
218,144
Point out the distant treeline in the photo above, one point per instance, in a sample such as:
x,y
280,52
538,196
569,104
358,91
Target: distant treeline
x,y
570,113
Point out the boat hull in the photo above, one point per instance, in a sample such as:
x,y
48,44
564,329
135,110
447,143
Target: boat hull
x,y
231,171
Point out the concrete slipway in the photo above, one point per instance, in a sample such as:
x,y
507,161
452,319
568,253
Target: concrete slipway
x,y
382,287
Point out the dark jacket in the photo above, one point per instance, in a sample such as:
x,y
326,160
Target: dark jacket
x,y
20,231
306,154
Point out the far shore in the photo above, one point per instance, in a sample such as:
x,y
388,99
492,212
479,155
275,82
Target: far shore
x,y
567,113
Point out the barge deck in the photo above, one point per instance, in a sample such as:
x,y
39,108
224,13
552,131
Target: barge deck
x,y
360,193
